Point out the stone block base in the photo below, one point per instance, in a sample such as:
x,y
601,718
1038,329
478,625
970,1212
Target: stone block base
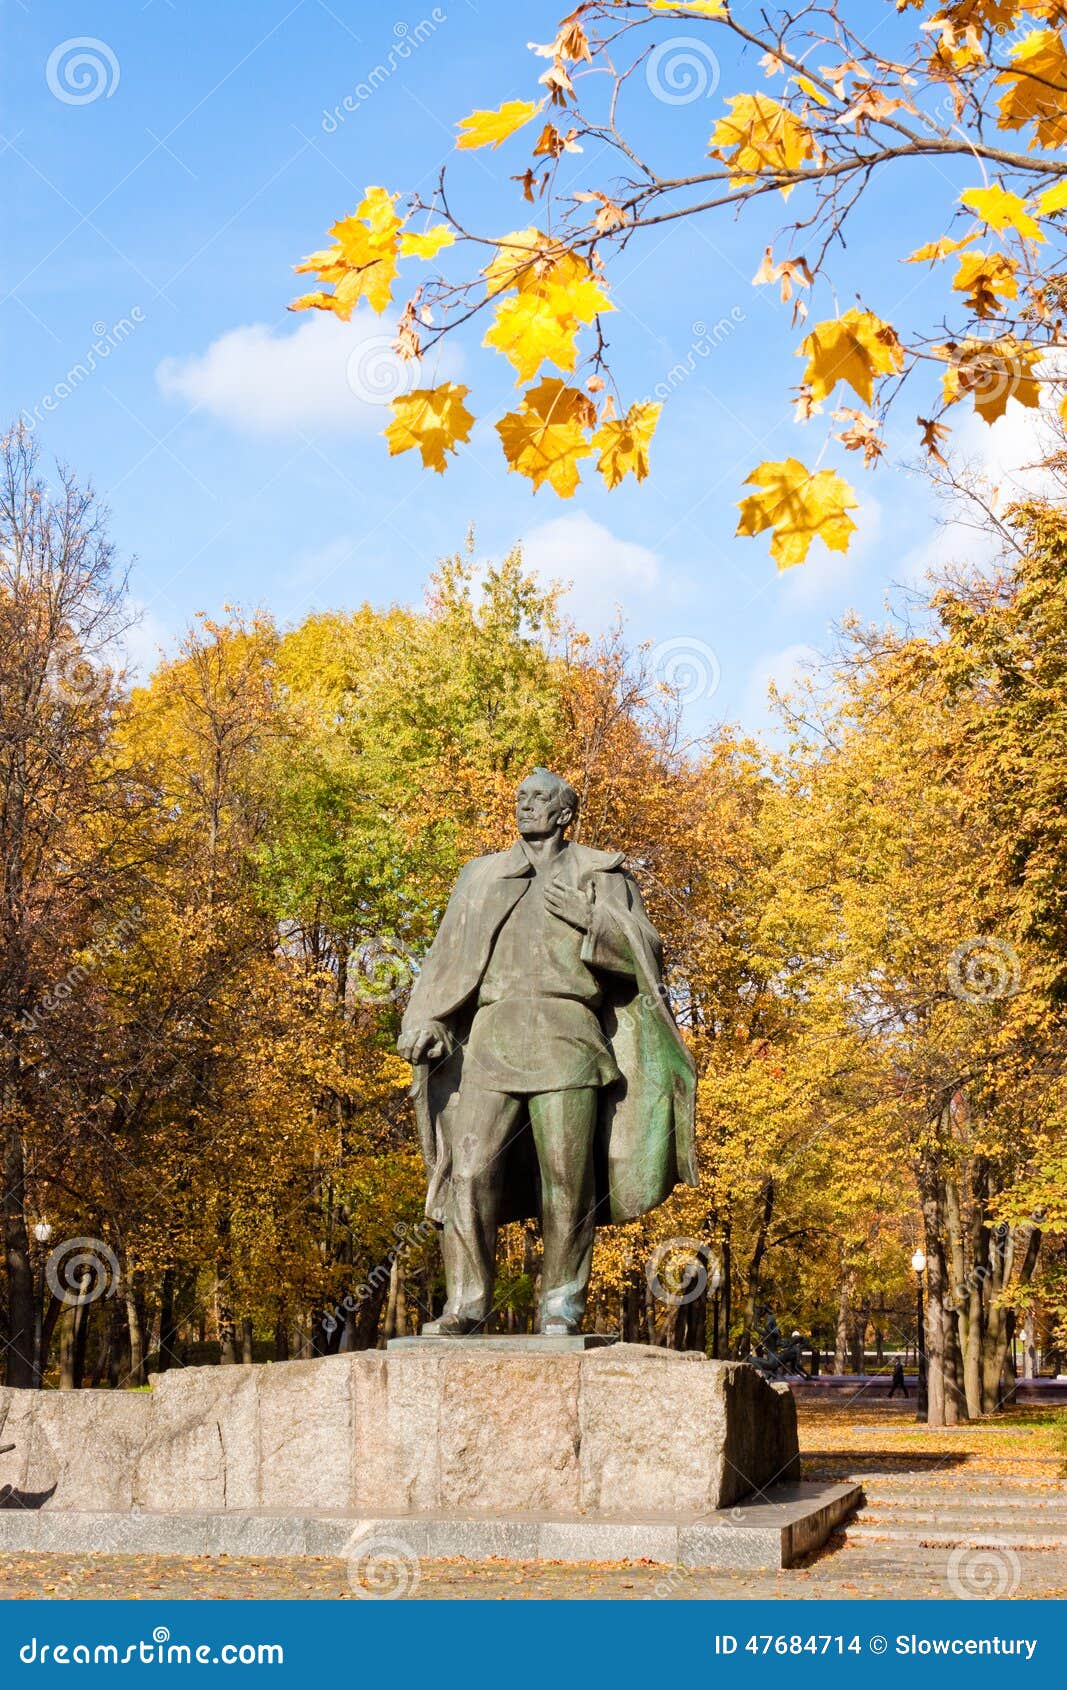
x,y
446,1428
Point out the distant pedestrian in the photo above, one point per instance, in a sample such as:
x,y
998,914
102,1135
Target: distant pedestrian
x,y
898,1379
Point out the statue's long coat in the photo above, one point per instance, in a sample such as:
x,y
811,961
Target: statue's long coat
x,y
645,1136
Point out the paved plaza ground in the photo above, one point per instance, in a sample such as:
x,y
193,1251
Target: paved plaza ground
x,y
978,1510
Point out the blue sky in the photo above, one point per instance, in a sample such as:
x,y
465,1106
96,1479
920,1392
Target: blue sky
x,y
162,217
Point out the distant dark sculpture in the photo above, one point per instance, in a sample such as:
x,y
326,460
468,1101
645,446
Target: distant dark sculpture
x,y
776,1357
550,1077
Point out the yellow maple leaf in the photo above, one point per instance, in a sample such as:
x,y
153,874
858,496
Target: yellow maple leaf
x,y
529,328
992,372
492,128
428,244
1036,88
854,348
701,8
368,277
515,254
936,250
432,418
377,210
363,262
556,292
799,507
315,302
760,138
1052,200
623,443
1002,210
546,436
329,263
986,278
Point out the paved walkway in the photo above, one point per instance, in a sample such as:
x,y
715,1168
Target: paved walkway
x,y
979,1510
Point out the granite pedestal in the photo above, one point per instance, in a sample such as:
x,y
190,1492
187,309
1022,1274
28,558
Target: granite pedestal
x,y
479,1437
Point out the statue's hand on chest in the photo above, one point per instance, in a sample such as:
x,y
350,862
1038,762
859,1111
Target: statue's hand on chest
x,y
569,905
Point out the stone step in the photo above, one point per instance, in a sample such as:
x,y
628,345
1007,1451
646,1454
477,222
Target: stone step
x,y
878,1486
1046,1507
776,1530
950,1532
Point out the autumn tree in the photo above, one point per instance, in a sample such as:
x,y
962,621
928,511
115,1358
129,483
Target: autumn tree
x,y
61,608
915,945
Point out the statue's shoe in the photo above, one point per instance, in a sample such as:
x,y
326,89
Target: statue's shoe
x,y
449,1326
556,1327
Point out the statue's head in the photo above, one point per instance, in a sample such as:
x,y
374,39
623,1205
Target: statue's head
x,y
544,805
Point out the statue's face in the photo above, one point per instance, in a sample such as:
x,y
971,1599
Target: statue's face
x,y
539,807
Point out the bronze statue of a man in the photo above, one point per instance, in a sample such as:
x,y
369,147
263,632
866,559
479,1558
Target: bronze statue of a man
x,y
550,1076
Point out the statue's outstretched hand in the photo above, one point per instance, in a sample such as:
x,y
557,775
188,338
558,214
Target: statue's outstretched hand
x,y
419,1044
569,905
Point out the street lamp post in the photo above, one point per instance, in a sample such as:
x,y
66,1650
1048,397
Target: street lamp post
x,y
918,1262
716,1286
42,1233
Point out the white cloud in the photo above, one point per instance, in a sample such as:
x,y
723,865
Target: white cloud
x,y
270,380
606,573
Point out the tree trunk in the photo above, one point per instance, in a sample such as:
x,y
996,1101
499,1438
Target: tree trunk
x,y
401,1307
66,1348
72,1324
18,1360
752,1276
844,1287
247,1339
943,1361
82,1317
168,1329
859,1342
389,1324
368,1316
135,1324
1029,1346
